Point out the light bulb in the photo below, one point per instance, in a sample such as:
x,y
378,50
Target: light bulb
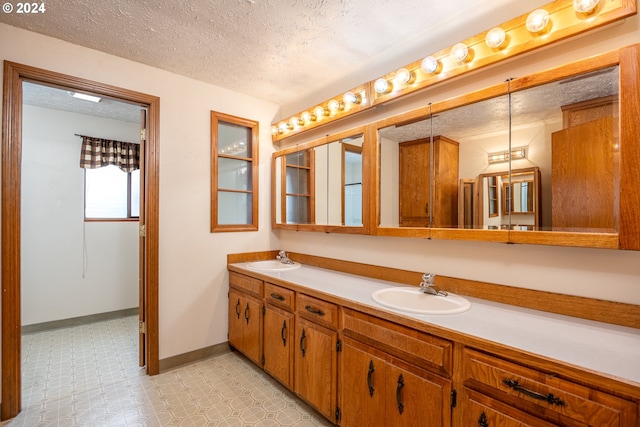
x,y
285,126
585,6
495,38
460,52
294,121
351,98
404,76
320,112
275,130
430,65
308,117
335,106
537,20
382,86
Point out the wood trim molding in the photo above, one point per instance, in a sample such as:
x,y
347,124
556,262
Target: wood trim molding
x,y
14,75
570,305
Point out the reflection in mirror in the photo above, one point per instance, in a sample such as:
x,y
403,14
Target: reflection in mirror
x,y
321,185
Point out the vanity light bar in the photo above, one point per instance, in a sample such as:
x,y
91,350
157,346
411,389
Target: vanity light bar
x,y
554,22
517,153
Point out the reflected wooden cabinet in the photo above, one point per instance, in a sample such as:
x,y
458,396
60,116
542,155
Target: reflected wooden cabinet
x,y
415,184
378,387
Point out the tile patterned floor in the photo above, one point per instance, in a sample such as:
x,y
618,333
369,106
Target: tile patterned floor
x,y
89,376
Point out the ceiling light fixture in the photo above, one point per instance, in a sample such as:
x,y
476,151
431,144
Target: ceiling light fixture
x,y
320,112
517,153
335,106
585,6
404,76
85,97
495,38
308,117
382,86
430,65
459,53
352,98
537,21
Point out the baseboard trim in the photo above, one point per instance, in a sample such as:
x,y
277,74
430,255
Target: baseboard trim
x,y
193,356
78,321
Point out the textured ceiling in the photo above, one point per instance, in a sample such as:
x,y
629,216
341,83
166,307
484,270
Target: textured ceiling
x,y
277,50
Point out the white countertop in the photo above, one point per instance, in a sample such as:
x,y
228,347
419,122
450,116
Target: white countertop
x,y
605,348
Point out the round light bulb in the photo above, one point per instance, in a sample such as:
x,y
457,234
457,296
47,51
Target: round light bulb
x,y
460,52
320,112
430,65
495,38
334,106
382,86
308,117
295,121
537,20
275,130
351,98
285,126
403,76
585,6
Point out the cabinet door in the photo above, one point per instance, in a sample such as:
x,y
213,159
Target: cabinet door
x,y
235,319
479,410
415,183
414,396
362,385
251,337
315,366
278,344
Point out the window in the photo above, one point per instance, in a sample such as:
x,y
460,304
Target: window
x,y
110,193
234,173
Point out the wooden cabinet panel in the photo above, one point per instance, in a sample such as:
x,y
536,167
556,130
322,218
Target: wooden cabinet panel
x,y
246,284
545,394
479,410
315,362
279,296
317,310
245,324
278,345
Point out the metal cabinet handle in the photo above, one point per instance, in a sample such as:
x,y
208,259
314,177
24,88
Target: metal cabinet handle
x,y
283,333
549,398
302,339
246,313
482,420
399,394
369,378
314,310
238,308
276,296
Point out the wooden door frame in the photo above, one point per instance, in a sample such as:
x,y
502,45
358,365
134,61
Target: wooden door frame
x,y
14,75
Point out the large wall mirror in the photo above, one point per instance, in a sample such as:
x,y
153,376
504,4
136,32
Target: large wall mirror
x,y
320,185
536,154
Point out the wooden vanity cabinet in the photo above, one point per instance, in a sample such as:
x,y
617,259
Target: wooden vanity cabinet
x,y
278,333
245,316
527,394
378,380
315,361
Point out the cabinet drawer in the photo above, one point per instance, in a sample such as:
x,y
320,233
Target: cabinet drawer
x,y
545,394
317,310
279,296
246,283
414,346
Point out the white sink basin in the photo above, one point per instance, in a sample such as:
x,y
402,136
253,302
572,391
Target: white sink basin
x,y
412,300
272,265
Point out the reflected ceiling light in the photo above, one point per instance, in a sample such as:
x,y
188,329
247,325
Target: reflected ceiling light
x,y
351,98
285,126
295,121
404,76
320,112
382,86
517,153
335,106
537,20
585,6
308,117
495,38
85,97
430,65
459,52
275,130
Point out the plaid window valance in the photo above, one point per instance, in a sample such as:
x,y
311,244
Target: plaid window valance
x,y
98,152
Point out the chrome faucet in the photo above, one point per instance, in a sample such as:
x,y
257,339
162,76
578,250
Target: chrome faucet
x,y
428,287
283,258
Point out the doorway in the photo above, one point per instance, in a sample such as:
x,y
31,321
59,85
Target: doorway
x,y
14,75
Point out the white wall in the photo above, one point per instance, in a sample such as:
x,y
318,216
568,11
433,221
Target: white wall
x,y
52,215
596,273
193,277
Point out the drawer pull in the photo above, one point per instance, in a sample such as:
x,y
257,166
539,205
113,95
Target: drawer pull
x,y
302,339
399,401
283,333
314,310
482,420
276,296
549,398
238,308
246,313
369,378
